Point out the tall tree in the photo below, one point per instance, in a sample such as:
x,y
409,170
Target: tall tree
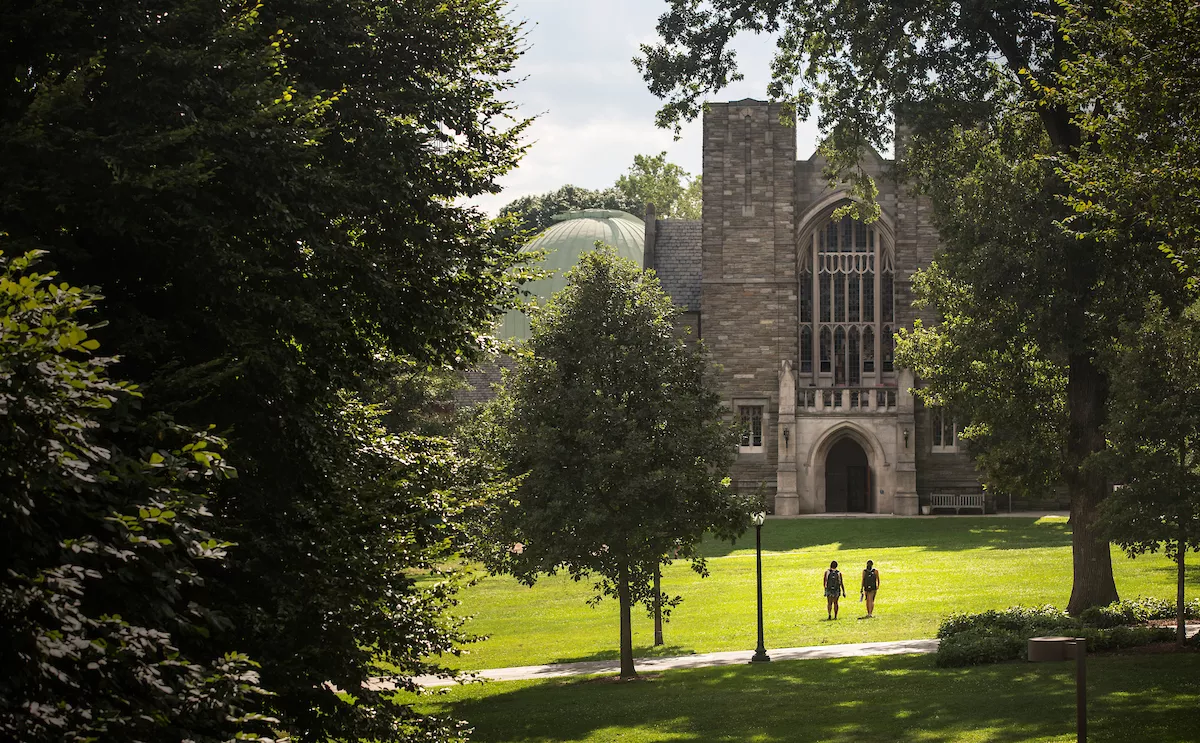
x,y
271,196
1154,427
949,68
614,432
653,180
102,513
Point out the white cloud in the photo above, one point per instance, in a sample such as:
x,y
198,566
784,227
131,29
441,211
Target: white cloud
x,y
594,111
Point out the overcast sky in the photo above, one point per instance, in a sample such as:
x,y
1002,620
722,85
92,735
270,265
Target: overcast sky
x,y
592,107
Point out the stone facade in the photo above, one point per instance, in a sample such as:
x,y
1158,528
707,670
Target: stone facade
x,y
828,423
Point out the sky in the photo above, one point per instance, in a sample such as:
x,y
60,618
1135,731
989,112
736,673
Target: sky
x,y
593,111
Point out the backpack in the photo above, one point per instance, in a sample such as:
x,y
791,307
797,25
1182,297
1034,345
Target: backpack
x,y
834,581
870,580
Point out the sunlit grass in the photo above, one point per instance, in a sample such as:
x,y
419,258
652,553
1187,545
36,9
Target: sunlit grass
x,y
900,698
930,567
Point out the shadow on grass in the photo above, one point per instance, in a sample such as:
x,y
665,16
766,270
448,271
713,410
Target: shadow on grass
x,y
949,535
861,699
639,651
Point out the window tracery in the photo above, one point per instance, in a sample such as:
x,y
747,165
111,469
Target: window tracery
x,y
847,299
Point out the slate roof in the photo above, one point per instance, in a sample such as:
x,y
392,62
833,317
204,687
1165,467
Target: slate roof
x,y
677,260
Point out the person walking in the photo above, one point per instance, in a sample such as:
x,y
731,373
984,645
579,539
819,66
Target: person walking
x,y
835,588
870,584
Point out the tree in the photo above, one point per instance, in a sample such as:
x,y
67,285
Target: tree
x,y
271,196
614,433
1153,429
950,70
1132,81
102,509
535,213
650,180
653,180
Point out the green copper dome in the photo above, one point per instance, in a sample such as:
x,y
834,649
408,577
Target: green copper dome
x,y
574,234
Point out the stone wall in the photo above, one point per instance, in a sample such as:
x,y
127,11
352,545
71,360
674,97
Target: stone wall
x,y
748,291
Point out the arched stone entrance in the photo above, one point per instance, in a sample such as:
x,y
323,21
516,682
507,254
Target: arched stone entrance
x,y
847,478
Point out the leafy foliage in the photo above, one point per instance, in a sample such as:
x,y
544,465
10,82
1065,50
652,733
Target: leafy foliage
x,y
271,197
998,636
101,537
613,431
970,82
1017,619
653,180
535,213
1135,611
1132,81
650,180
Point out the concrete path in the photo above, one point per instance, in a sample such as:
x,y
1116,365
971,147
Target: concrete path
x,y
700,660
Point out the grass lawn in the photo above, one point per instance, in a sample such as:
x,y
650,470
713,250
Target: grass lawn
x,y
929,567
897,698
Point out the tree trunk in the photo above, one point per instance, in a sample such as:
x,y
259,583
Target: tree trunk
x,y
1087,392
627,669
1180,621
658,636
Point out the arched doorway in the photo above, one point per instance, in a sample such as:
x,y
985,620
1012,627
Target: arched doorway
x,y
847,478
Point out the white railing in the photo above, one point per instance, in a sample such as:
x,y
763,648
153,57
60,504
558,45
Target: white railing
x,y
846,399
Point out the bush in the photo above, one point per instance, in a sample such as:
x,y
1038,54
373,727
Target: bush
x,y
978,646
1136,611
1019,619
997,636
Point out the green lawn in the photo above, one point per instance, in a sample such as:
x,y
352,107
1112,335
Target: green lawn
x,y
898,698
929,567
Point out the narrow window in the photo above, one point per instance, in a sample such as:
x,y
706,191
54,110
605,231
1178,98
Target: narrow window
x,y
886,297
868,295
869,350
825,350
885,350
751,417
945,430
839,356
847,234
854,304
855,378
824,297
805,296
806,349
860,238
839,298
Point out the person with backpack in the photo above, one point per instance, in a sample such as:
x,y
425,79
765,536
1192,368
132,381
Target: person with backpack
x,y
835,588
870,584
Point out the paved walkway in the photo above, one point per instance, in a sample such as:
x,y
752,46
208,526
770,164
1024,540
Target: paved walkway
x,y
700,660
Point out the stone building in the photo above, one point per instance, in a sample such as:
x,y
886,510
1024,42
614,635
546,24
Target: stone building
x,y
798,312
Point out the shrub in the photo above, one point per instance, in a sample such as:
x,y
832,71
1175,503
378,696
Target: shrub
x,y
978,646
996,636
1019,619
1136,611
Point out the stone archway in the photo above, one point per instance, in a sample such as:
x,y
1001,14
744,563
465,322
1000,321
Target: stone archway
x,y
847,478
879,477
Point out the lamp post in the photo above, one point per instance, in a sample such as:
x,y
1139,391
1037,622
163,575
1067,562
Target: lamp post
x,y
760,655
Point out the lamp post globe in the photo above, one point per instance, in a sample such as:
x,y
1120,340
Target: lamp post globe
x,y
760,654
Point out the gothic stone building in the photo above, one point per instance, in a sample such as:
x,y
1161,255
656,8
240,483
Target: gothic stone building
x,y
798,312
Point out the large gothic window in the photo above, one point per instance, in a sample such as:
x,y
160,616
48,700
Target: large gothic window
x,y
847,311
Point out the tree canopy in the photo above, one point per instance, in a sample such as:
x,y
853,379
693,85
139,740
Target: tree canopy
x,y
614,433
971,83
650,180
102,536
271,197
